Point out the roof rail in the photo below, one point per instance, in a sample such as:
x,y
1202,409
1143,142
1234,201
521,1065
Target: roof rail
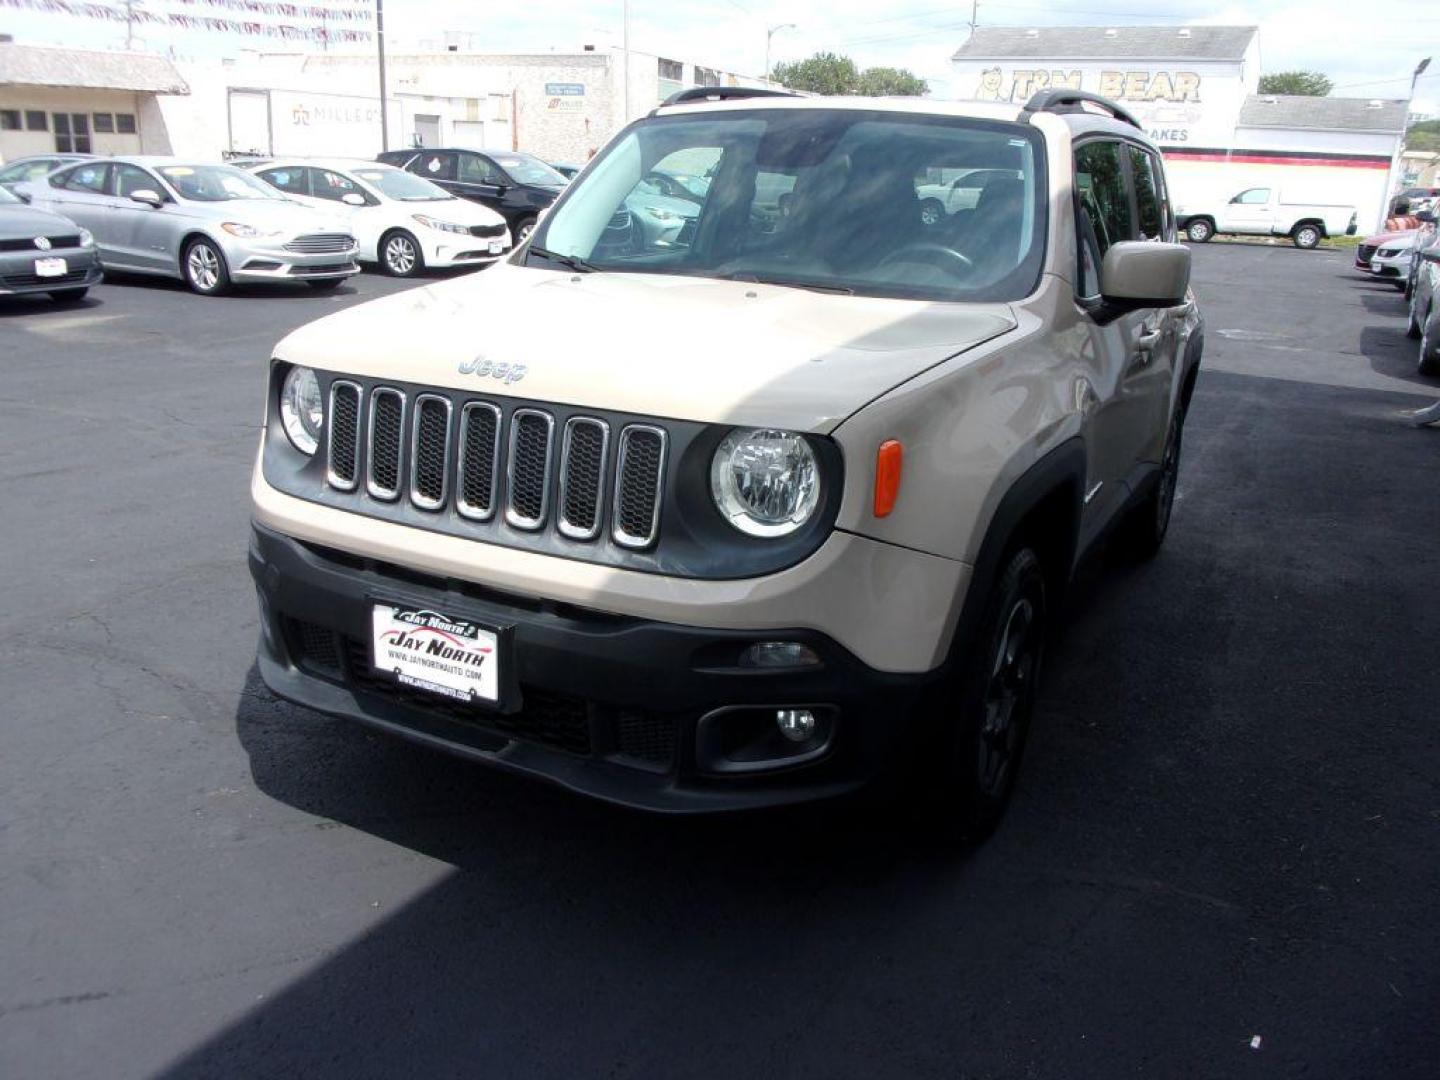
x,y
1063,100
723,93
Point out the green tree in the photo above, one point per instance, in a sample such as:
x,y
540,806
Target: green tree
x,y
1424,136
890,82
1304,83
823,73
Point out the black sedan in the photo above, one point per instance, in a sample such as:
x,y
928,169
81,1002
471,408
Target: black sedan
x,y
516,186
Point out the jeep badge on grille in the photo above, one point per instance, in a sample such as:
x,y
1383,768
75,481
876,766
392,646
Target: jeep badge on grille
x,y
508,373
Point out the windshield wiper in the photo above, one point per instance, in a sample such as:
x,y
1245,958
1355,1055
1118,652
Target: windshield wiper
x,y
791,283
570,262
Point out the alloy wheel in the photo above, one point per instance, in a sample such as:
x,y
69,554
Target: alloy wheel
x,y
1007,698
400,255
204,267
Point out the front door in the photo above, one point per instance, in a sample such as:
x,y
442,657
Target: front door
x,y
1249,212
1121,388
141,230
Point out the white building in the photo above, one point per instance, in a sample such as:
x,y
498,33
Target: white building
x,y
1194,89
71,100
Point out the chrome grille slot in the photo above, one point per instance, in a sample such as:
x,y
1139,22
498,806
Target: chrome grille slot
x,y
582,476
479,460
321,244
527,470
639,475
429,449
387,415
343,450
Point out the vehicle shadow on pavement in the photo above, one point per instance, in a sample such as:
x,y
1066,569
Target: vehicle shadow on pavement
x,y
297,290
19,307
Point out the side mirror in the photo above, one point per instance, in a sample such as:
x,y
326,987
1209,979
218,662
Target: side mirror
x,y
23,196
1426,216
1141,274
149,198
351,198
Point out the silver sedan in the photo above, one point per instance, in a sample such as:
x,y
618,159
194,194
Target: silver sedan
x,y
208,225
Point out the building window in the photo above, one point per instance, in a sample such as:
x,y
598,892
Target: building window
x,y
673,70
706,76
9,119
36,120
104,123
125,123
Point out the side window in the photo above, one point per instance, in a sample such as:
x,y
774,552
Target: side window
x,y
1256,196
434,166
1104,208
87,178
475,169
130,178
291,181
1147,194
332,185
25,170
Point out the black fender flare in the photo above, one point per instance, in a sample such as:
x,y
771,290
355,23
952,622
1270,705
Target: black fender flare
x,y
1055,482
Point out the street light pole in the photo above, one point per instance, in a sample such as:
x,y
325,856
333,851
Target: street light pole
x,y
1404,129
770,32
380,41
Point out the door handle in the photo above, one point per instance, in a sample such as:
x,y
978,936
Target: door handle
x,y
1148,338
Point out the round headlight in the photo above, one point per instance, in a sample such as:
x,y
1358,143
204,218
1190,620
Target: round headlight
x,y
301,410
765,482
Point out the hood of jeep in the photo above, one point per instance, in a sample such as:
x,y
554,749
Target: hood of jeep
x,y
656,345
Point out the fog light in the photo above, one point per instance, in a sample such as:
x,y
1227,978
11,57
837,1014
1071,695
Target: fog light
x,y
797,725
779,654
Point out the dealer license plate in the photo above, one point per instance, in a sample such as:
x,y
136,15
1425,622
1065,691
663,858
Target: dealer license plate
x,y
51,268
1375,265
424,650
496,249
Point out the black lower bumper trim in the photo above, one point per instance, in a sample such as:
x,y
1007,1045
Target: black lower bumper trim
x,y
605,705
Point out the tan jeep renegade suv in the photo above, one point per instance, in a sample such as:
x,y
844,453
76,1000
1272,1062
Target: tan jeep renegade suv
x,y
745,473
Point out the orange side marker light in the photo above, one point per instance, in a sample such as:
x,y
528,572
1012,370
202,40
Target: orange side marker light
x,y
888,462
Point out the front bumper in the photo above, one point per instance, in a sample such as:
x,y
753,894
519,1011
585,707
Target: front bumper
x,y
624,709
17,271
271,262
446,250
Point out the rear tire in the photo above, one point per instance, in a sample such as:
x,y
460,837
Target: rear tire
x,y
1413,330
1306,236
523,228
983,710
932,212
1146,523
400,254
1200,230
204,269
69,296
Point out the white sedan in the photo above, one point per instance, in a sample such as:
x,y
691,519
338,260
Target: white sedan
x,y
403,222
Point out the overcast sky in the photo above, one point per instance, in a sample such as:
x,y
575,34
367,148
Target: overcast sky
x,y
1368,49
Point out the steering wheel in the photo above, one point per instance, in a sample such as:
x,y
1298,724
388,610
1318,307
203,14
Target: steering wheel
x,y
929,251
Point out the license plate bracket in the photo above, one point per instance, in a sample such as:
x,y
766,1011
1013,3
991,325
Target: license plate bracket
x,y
452,657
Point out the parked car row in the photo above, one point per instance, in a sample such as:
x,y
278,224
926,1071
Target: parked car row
x,y
294,220
1409,259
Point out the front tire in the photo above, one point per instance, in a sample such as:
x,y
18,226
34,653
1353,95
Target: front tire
x,y
69,296
984,710
203,266
400,254
1306,236
1200,231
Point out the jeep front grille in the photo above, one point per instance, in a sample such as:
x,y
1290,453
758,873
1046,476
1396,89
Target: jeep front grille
x,y
543,474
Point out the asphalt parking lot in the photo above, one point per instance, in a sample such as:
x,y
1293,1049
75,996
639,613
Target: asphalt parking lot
x,y
1221,861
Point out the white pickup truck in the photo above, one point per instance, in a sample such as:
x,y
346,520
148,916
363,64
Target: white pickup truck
x,y
1263,211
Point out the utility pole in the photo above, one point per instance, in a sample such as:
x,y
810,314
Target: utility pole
x,y
770,32
974,11
384,108
131,7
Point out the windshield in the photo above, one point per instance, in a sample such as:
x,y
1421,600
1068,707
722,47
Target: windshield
x,y
838,199
399,184
524,169
216,183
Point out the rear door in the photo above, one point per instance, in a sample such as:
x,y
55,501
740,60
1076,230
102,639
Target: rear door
x,y
83,195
